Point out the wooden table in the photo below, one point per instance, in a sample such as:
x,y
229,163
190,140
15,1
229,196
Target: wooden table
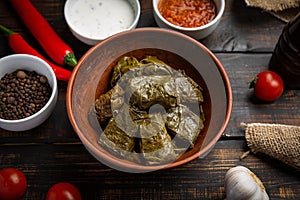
x,y
51,153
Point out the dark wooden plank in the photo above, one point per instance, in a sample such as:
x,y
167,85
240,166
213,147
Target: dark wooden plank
x,y
241,29
199,179
243,41
241,69
244,29
57,128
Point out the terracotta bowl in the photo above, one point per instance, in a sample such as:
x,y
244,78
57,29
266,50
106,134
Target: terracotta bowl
x,y
92,74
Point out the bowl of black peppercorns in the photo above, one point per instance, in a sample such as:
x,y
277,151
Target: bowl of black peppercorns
x,y
28,92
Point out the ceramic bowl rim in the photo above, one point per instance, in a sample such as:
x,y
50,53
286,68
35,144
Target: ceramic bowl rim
x,y
74,29
211,23
135,166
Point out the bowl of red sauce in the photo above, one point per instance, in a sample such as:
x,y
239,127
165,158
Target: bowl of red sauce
x,y
196,18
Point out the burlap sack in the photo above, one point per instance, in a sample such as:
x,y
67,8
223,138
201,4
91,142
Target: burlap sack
x,y
276,140
286,15
273,5
282,9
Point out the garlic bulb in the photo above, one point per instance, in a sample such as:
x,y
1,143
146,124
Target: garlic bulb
x,y
243,184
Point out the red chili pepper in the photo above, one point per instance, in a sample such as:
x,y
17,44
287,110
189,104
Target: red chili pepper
x,y
19,45
58,50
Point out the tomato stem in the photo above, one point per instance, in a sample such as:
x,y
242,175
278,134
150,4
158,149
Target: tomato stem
x,y
253,82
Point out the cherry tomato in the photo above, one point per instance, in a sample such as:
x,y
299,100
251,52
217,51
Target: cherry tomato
x,y
63,191
268,86
13,184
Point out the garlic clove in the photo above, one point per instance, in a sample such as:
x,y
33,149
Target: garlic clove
x,y
243,184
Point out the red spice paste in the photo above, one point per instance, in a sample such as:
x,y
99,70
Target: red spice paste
x,y
188,13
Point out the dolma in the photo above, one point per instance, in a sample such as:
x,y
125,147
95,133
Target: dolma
x,y
186,85
154,112
145,86
189,90
123,66
154,84
126,117
184,125
158,148
151,125
105,102
148,91
115,140
128,63
103,107
153,60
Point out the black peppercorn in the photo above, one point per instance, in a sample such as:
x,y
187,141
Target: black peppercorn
x,y
23,93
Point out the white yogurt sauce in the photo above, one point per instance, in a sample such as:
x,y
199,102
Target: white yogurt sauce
x,y
101,18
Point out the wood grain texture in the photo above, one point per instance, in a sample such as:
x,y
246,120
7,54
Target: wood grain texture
x,y
52,152
46,164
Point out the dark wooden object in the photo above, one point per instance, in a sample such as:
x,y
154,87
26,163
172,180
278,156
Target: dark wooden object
x,y
51,153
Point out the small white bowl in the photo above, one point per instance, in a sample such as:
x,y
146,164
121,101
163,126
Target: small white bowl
x,y
197,32
26,62
94,20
